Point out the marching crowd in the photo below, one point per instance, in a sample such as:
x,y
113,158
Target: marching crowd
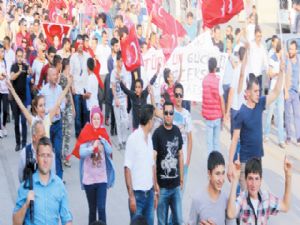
x,y
52,83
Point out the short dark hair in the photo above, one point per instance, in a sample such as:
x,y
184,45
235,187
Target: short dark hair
x,y
146,114
1,46
257,29
139,80
91,64
168,103
237,31
56,59
230,37
294,42
51,49
180,86
167,72
274,37
212,64
253,166
19,50
217,27
65,62
119,17
139,220
65,40
103,32
7,38
85,36
215,159
114,41
119,55
44,141
252,79
139,26
189,14
101,16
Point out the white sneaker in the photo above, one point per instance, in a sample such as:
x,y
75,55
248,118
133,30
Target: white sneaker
x,y
1,134
4,131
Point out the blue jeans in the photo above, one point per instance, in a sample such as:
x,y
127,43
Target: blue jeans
x,y
81,117
144,205
278,106
226,88
292,106
185,173
56,140
187,105
213,129
96,196
169,198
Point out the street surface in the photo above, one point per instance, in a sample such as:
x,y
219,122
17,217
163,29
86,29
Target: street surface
x,y
117,206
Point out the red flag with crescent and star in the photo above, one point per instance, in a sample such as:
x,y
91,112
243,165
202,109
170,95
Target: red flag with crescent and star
x,y
163,20
131,53
215,12
168,42
54,29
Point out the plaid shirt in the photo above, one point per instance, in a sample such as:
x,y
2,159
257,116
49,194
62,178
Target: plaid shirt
x,y
268,205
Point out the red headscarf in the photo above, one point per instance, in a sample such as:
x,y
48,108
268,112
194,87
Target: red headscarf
x,y
89,133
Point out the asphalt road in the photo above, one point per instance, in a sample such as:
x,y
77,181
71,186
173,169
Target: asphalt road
x,y
117,205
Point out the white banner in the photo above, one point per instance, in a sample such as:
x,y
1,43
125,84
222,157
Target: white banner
x,y
195,65
151,60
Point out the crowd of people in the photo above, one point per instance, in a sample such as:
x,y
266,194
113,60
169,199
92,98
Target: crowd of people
x,y
80,80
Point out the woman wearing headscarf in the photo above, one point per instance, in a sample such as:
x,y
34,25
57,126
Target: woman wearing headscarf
x,y
93,148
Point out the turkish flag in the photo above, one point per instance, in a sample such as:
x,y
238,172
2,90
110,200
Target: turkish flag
x,y
53,6
131,53
220,11
163,20
105,4
168,42
53,29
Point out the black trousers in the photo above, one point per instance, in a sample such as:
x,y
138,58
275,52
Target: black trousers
x,y
17,115
3,109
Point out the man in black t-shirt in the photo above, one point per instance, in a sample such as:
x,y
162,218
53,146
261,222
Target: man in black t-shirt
x,y
167,144
19,72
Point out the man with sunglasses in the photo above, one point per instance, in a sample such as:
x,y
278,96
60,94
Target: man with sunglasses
x,y
168,157
19,72
182,119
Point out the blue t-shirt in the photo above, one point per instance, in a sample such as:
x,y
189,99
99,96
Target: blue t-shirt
x,y
249,121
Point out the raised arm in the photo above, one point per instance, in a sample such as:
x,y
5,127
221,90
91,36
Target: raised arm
x,y
53,111
243,68
24,110
286,201
231,204
278,87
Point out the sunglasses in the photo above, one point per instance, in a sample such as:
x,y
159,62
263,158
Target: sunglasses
x,y
178,95
171,113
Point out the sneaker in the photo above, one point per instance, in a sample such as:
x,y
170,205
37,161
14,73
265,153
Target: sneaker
x,y
67,163
266,139
18,148
4,131
282,145
1,134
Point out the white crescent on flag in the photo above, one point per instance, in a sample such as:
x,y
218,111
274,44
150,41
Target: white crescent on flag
x,y
133,45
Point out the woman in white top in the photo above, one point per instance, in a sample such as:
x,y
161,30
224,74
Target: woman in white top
x,y
38,106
